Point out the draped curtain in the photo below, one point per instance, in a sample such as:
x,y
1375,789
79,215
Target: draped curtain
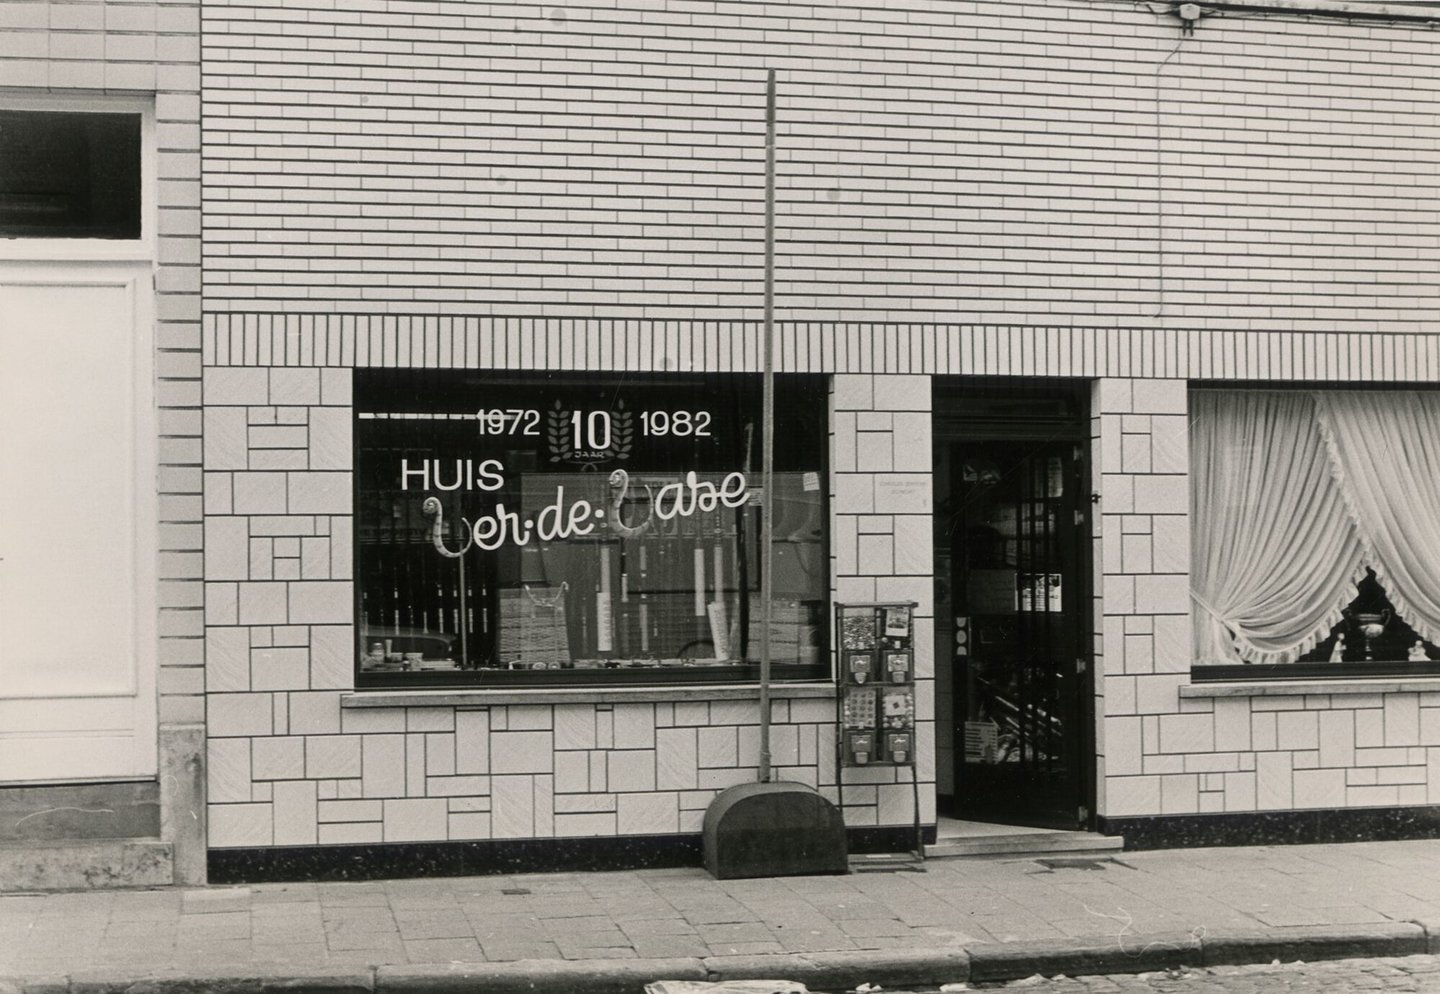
x,y
1275,550
1385,453
1293,496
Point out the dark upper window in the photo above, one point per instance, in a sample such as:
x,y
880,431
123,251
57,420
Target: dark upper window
x,y
581,528
69,175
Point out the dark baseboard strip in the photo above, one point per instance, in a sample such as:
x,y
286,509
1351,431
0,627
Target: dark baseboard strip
x,y
1275,827
488,858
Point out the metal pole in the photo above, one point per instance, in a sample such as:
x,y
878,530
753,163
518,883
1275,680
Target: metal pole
x,y
767,446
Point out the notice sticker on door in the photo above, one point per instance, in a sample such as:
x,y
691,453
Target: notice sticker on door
x,y
809,482
982,740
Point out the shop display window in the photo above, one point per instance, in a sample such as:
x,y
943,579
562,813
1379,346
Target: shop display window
x,y
1316,532
583,529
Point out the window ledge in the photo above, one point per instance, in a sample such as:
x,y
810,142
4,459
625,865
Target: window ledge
x,y
481,697
1331,687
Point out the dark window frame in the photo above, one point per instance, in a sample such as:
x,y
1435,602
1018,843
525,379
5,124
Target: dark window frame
x,y
815,386
1307,671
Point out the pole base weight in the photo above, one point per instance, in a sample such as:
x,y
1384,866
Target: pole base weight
x,y
773,830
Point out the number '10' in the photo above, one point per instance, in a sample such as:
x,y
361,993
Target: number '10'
x,y
591,431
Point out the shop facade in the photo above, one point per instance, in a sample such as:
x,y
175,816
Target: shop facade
x,y
560,650
481,423
448,373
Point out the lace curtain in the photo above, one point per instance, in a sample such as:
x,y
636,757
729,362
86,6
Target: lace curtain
x,y
1385,450
1293,495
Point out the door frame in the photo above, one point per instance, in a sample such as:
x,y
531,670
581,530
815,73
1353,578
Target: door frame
x,y
953,426
127,263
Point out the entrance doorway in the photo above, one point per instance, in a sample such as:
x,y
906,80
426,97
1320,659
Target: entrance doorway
x,y
1013,603
77,533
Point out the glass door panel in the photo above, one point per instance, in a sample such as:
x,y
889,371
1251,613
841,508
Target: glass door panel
x,y
1016,610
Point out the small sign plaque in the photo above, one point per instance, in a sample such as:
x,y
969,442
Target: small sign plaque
x,y
982,740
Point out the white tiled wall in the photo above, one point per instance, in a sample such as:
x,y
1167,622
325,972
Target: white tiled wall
x,y
1164,754
290,766
881,539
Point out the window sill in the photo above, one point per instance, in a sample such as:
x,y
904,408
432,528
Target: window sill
x,y
482,697
1331,687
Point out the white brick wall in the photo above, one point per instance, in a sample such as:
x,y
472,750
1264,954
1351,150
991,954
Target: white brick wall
x,y
1067,162
437,342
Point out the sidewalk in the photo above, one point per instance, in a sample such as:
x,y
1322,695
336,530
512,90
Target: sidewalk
x,y
957,920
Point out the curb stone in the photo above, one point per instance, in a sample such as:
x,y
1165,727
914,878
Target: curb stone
x,y
1314,942
586,976
242,980
921,967
36,985
846,970
1432,931
757,966
1076,957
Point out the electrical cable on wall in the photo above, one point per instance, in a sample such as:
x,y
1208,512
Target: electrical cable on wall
x,y
1187,29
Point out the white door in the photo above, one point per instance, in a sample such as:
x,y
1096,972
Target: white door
x,y
77,523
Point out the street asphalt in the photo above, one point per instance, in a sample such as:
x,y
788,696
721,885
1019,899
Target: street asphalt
x,y
915,927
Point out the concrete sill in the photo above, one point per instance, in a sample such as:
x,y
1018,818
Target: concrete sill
x,y
482,697
1297,688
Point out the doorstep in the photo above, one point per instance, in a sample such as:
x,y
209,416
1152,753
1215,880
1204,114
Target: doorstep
x,y
1023,842
961,840
85,864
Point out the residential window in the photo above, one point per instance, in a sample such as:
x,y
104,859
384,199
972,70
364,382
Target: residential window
x,y
1315,532
70,174
579,528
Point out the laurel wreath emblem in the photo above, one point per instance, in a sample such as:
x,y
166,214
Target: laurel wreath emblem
x,y
562,447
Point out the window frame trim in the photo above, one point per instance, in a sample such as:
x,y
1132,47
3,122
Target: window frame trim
x,y
62,250
1324,687
1266,672
469,697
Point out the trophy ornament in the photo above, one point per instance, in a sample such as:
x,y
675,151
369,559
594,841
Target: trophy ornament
x,y
1371,625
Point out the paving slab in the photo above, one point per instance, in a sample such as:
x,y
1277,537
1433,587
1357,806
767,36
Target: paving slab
x,y
951,921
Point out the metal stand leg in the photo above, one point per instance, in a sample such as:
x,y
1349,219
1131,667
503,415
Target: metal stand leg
x,y
915,793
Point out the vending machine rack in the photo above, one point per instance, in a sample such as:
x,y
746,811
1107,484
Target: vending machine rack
x,y
875,694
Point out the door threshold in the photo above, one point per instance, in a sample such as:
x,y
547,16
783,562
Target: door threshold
x,y
961,828
956,838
